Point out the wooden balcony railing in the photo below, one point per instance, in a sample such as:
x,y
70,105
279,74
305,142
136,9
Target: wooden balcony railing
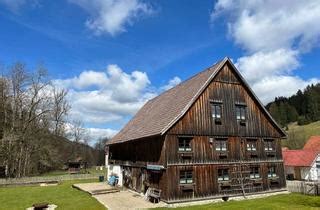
x,y
223,161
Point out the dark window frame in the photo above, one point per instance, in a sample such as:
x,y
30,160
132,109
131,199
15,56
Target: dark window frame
x,y
269,145
241,113
185,144
218,145
216,111
255,172
185,177
272,172
223,175
251,145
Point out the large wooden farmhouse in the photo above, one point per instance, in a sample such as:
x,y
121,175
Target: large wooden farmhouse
x,y
208,137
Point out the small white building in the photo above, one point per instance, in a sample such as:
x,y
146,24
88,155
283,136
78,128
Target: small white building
x,y
303,164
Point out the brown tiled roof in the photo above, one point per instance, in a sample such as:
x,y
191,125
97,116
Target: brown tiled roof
x,y
160,112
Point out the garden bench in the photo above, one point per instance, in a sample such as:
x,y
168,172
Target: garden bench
x,y
155,194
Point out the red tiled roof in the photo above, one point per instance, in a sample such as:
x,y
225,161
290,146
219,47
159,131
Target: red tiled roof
x,y
313,143
299,157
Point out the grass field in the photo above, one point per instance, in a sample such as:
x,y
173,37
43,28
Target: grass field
x,y
66,197
298,135
286,201
65,172
63,195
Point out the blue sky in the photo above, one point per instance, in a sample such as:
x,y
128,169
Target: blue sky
x,y
113,56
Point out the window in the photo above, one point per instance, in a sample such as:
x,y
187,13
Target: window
x,y
221,145
268,145
254,173
186,177
252,145
272,172
185,144
216,109
241,114
223,175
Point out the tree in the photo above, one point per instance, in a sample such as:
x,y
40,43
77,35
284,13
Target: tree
x,y
78,134
26,109
100,147
60,110
313,108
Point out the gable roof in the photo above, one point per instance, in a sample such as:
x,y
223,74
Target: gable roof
x,y
313,143
299,157
159,114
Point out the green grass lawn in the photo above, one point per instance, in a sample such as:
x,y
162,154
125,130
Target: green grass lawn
x,y
285,201
65,172
67,197
63,195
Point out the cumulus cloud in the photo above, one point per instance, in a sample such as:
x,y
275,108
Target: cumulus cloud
x,y
101,98
260,65
273,34
269,24
98,133
269,87
105,96
172,83
112,16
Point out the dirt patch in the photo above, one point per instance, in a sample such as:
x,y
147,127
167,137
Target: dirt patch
x,y
126,200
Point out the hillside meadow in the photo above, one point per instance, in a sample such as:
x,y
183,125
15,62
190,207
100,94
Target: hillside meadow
x,y
298,135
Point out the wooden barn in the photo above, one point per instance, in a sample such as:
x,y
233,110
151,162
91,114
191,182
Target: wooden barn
x,y
208,137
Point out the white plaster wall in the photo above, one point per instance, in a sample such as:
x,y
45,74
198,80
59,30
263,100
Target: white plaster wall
x,y
306,173
311,173
115,169
314,171
107,160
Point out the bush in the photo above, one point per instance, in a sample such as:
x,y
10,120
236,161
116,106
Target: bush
x,y
302,120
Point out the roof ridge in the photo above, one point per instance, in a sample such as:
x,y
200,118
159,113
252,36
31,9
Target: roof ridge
x,y
185,81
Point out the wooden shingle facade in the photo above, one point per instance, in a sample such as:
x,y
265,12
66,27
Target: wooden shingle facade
x,y
209,136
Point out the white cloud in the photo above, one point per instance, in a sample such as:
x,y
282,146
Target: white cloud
x,y
98,133
105,96
112,16
270,24
270,87
172,83
15,5
274,34
85,79
260,65
110,96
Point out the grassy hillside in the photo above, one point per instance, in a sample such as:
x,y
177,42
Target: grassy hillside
x,y
298,135
57,150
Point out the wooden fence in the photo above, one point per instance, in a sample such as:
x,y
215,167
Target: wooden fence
x,y
43,179
305,187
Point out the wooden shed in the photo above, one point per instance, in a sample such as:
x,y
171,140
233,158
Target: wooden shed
x,y
208,137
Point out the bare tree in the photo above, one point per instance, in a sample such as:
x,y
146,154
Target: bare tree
x,y
79,135
27,108
77,131
60,109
